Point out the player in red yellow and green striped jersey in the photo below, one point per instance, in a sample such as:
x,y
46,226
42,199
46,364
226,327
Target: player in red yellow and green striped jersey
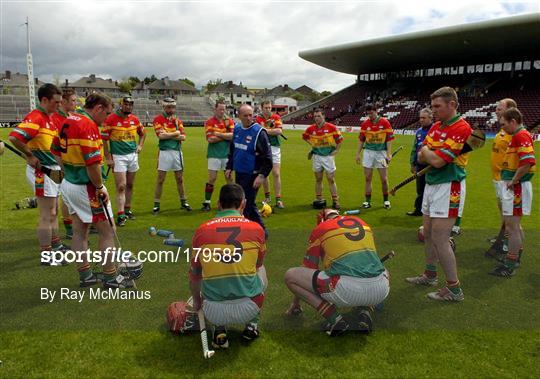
x,y
170,132
273,125
376,136
227,275
219,132
518,169
66,108
34,136
119,134
79,146
341,269
444,195
325,141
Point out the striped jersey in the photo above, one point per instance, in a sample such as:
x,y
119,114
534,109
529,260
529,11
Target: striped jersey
x,y
219,149
323,140
375,134
79,145
273,122
121,132
344,246
498,152
519,153
168,124
223,279
37,130
448,139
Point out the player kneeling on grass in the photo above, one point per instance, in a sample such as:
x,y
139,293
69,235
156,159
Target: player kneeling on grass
x,y
516,195
78,145
227,277
352,274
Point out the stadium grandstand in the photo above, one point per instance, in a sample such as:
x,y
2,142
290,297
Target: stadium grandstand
x,y
484,62
192,108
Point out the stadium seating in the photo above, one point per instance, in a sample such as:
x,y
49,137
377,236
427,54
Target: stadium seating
x,y
401,100
193,110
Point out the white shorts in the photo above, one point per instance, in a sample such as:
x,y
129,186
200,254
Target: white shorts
x,y
499,186
354,292
445,200
238,311
374,159
128,162
43,186
516,202
80,200
323,163
170,160
276,154
217,164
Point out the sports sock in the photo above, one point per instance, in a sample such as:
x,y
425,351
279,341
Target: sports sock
x,y
68,224
454,287
55,242
511,259
430,271
318,196
183,201
156,204
385,196
328,311
335,198
85,272
278,197
208,189
109,275
127,208
368,197
267,195
121,214
458,221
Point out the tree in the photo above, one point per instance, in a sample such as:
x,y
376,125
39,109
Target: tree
x,y
325,93
212,84
187,81
125,85
297,96
149,80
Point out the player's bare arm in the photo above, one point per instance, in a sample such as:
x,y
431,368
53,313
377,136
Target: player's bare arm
x,y
108,156
358,151
94,173
21,146
518,175
388,151
195,288
428,156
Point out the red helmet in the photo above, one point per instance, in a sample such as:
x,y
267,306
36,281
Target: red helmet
x,y
326,214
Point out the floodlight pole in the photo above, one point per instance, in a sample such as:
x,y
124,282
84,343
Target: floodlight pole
x,y
30,70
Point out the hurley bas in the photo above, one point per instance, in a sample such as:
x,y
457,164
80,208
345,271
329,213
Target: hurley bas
x,y
93,294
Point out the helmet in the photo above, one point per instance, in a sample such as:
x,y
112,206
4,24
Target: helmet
x,y
319,204
266,210
326,214
126,100
132,269
168,101
181,318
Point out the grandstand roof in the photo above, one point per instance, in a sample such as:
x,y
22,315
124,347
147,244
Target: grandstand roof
x,y
501,40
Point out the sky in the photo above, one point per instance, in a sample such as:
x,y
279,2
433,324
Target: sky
x,y
253,42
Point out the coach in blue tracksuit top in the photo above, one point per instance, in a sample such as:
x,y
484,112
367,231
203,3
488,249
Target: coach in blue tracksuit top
x,y
250,157
426,121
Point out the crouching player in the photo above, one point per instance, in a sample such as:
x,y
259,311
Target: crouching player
x,y
227,277
352,274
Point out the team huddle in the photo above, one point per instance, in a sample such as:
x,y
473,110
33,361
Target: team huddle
x,y
67,152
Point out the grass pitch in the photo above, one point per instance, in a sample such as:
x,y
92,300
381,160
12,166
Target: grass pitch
x,y
494,332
